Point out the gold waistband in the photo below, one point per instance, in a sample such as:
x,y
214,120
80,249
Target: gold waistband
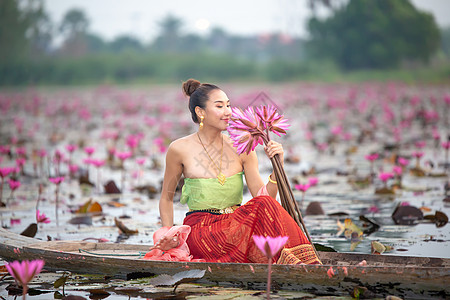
x,y
228,210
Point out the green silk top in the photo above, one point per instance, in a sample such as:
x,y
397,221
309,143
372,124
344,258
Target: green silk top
x,y
204,193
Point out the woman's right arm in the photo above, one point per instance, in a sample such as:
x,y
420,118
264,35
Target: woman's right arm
x,y
172,174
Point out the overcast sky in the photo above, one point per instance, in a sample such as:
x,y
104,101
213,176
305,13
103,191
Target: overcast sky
x,y
140,17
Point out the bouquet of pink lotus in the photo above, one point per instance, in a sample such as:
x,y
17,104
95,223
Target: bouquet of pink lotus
x,y
251,127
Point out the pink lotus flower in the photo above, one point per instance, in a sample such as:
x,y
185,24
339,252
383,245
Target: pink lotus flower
x,y
397,170
89,150
373,209
303,187
13,184
73,168
20,162
42,153
337,130
322,146
385,176
420,144
244,131
140,161
132,141
4,149
23,272
56,180
436,134
417,154
403,161
123,155
5,171
446,145
249,128
313,181
14,221
372,157
160,143
71,148
21,151
97,162
41,218
271,120
270,246
59,156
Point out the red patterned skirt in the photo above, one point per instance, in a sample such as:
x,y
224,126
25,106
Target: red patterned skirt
x,y
228,237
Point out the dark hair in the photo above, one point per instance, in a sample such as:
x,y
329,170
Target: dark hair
x,y
198,94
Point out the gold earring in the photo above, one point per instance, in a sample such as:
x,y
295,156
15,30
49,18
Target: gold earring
x,y
201,121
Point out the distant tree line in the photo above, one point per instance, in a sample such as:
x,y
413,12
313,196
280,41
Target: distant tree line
x,y
358,34
374,34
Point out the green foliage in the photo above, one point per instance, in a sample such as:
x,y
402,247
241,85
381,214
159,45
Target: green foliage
x,y
374,34
12,31
123,67
25,30
131,67
445,44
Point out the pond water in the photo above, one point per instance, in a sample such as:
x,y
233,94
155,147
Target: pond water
x,y
334,128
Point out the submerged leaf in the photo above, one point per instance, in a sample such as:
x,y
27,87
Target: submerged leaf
x,y
323,248
379,248
60,281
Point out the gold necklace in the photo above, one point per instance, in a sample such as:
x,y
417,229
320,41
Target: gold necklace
x,y
221,177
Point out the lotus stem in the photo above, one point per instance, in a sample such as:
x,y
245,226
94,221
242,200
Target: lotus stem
x,y
269,277
287,197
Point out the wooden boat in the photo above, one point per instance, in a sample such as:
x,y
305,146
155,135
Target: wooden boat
x,y
403,276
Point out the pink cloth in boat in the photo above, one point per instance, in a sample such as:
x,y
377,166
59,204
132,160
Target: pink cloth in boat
x,y
263,191
180,253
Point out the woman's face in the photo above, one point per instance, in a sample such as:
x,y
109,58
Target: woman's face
x,y
218,110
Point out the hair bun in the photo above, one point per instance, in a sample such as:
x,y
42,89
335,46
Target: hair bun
x,y
190,86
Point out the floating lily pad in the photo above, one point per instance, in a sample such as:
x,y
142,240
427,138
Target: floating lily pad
x,y
407,215
314,209
178,278
385,191
78,220
31,230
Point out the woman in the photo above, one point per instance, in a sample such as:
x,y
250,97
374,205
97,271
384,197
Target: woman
x,y
221,229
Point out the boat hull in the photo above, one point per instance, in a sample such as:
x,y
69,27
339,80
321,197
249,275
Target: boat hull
x,y
406,277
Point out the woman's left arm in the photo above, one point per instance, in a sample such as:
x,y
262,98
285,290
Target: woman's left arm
x,y
251,170
271,150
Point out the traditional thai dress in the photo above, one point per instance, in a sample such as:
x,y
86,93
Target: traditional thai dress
x,y
222,228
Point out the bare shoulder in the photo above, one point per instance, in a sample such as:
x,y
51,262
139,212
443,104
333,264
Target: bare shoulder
x,y
181,145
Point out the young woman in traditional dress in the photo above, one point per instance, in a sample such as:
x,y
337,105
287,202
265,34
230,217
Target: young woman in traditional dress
x,y
222,228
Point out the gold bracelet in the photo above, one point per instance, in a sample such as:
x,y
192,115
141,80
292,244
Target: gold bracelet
x,y
273,181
